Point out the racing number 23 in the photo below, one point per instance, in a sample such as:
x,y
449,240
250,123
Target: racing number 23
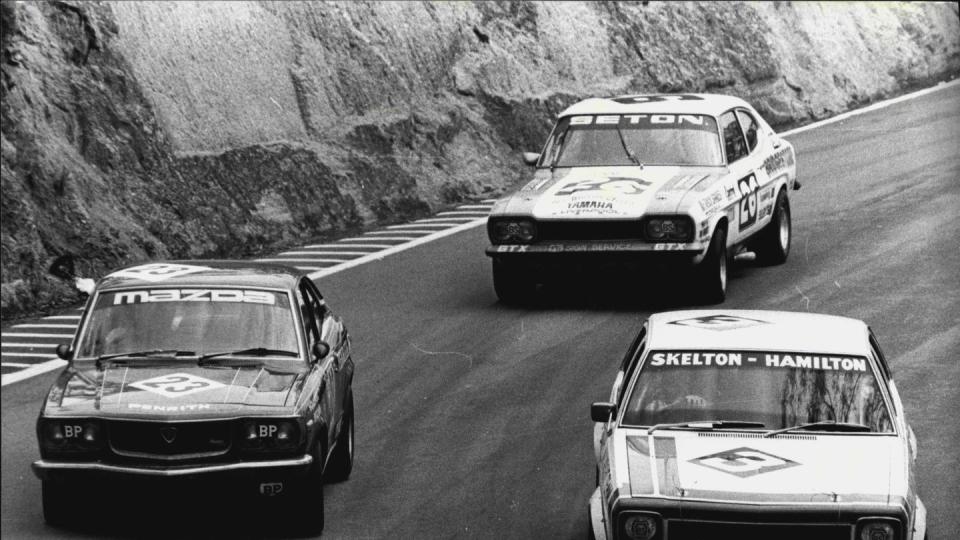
x,y
748,200
176,383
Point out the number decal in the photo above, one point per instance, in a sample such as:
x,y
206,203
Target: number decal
x,y
744,462
748,201
158,271
656,98
176,384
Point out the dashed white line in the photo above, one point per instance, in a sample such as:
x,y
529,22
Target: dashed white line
x,y
63,317
35,335
30,354
14,364
375,246
35,369
445,220
417,226
285,253
474,213
71,326
376,235
29,345
304,259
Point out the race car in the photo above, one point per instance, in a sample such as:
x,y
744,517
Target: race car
x,y
686,180
754,424
230,376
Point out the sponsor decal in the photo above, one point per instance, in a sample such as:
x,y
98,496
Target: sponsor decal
x,y
668,247
718,322
731,193
512,249
168,408
176,385
744,462
168,434
158,271
271,489
763,360
613,185
654,98
193,295
748,201
766,195
778,160
765,211
644,121
711,202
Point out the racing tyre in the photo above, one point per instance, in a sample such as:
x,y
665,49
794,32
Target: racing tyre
x,y
60,508
711,273
341,462
773,243
512,283
303,506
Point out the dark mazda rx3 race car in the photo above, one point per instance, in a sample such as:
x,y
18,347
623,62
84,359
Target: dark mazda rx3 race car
x,y
687,180
754,424
232,372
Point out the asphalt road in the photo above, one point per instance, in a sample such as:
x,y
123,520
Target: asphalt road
x,y
472,418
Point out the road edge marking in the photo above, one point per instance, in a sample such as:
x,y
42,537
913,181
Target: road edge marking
x,y
36,369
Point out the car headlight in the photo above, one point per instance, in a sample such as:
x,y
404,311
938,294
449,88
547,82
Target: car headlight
x,y
675,229
877,529
269,435
512,231
70,437
641,526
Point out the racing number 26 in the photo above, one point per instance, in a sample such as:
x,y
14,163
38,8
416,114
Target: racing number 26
x,y
748,201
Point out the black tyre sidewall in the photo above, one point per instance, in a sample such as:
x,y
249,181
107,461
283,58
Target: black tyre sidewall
x,y
769,250
341,462
511,282
712,289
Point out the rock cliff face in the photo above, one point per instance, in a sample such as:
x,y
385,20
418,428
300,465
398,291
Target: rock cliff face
x,y
134,131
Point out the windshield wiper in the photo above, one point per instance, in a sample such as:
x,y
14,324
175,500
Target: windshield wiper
x,y
165,353
623,142
255,351
707,424
828,425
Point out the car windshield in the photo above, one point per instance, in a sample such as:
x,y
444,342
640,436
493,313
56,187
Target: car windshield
x,y
777,389
197,321
610,140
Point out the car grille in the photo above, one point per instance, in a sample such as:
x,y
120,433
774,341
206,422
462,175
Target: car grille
x,y
170,440
692,530
589,230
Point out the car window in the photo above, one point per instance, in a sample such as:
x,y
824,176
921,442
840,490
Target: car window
x,y
778,389
310,308
632,367
659,139
733,142
191,320
749,127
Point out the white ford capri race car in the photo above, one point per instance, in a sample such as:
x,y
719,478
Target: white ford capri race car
x,y
690,179
754,424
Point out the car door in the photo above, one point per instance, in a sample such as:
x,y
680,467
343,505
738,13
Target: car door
x,y
327,396
759,147
744,178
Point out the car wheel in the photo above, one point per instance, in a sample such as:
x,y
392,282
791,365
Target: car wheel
x,y
773,243
341,462
302,507
59,506
512,283
711,273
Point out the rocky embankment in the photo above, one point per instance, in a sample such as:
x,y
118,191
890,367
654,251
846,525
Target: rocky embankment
x,y
134,131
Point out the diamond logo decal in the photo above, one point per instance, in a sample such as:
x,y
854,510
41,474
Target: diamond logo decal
x,y
718,322
744,462
176,384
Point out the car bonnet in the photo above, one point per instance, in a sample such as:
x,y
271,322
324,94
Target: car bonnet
x,y
608,192
741,467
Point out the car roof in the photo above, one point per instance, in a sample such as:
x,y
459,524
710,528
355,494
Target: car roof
x,y
709,104
731,329
206,273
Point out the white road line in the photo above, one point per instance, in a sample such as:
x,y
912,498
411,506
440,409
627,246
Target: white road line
x,y
375,235
474,207
378,238
285,253
63,317
71,326
29,354
363,246
28,345
397,249
417,226
475,213
304,259
36,369
34,335
337,246
874,107
445,220
14,364
488,201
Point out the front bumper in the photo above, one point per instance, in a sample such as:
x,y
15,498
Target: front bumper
x,y
47,470
691,252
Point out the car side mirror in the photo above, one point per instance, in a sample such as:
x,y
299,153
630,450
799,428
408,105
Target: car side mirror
x,y
531,158
320,350
64,352
602,411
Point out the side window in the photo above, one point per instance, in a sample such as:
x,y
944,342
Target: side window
x,y
749,127
308,312
631,362
733,141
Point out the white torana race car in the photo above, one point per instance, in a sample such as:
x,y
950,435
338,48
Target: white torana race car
x,y
754,424
690,178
